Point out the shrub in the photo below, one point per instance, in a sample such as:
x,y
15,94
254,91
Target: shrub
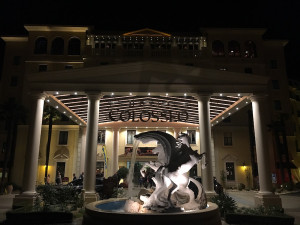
x,y
241,186
122,173
225,203
289,186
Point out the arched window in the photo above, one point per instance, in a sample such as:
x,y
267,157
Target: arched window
x,y
234,49
250,49
40,46
218,48
57,47
74,46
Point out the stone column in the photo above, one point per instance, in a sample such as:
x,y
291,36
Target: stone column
x,y
115,160
32,152
91,147
265,196
205,142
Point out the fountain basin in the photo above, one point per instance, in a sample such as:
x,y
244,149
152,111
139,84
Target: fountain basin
x,y
110,212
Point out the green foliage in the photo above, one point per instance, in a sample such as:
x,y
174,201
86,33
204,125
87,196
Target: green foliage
x,y
289,186
241,186
225,203
122,173
63,197
261,211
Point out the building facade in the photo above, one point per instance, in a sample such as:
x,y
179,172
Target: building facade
x,y
224,87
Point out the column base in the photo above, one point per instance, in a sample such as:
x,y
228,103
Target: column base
x,y
89,197
24,199
210,194
267,200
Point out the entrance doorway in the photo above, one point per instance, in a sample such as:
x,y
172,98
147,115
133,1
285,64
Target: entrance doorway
x,y
60,167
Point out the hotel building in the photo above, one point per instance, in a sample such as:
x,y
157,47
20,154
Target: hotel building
x,y
223,87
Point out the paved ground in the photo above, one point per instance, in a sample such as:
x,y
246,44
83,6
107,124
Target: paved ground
x,y
290,203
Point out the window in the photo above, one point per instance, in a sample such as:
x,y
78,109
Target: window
x,y
17,60
218,48
234,49
250,49
43,68
74,46
130,136
63,138
68,67
227,139
277,105
57,47
14,81
192,136
248,70
273,64
230,175
40,46
275,84
101,137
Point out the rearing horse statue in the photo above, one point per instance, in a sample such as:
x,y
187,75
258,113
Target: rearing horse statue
x,y
175,159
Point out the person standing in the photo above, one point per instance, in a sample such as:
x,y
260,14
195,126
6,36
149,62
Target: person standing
x,y
74,176
58,179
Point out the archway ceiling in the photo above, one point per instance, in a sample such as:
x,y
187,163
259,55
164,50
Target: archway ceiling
x,y
75,106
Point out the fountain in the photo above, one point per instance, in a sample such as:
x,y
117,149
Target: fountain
x,y
172,201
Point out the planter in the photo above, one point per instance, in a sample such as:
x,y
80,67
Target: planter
x,y
9,189
244,219
34,218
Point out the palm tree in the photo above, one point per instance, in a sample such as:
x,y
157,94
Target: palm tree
x,y
13,114
50,115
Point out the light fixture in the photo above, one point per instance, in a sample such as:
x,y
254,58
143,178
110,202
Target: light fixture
x,y
167,94
237,108
57,93
64,111
130,93
56,107
112,93
221,94
48,100
75,93
184,94
239,94
149,93
229,113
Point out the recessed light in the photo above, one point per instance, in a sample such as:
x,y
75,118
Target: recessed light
x,y
239,94
229,113
64,111
221,94
56,107
237,108
48,100
57,93
130,93
184,94
75,93
112,93
167,94
149,93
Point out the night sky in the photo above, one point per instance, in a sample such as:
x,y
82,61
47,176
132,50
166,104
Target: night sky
x,y
281,18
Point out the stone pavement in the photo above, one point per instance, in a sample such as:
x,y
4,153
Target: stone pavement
x,y
290,203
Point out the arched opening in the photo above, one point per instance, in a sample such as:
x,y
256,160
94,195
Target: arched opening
x,y
218,48
40,46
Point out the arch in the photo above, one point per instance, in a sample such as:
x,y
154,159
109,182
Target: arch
x,y
218,48
74,46
40,46
57,46
234,48
250,49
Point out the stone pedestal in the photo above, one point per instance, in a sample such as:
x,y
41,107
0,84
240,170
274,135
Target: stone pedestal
x,y
89,197
267,200
23,200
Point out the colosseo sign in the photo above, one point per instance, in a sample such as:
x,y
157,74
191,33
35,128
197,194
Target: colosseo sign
x,y
149,115
156,114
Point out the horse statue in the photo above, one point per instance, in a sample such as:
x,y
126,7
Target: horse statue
x,y
174,161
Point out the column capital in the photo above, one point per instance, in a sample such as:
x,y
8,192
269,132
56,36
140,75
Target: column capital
x,y
202,96
38,95
258,97
94,95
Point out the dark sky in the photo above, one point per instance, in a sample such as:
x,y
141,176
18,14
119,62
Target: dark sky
x,y
281,17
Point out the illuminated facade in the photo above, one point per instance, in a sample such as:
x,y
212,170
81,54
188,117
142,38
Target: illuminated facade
x,y
111,86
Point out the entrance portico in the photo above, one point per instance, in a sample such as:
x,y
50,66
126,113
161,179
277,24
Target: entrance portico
x,y
155,79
